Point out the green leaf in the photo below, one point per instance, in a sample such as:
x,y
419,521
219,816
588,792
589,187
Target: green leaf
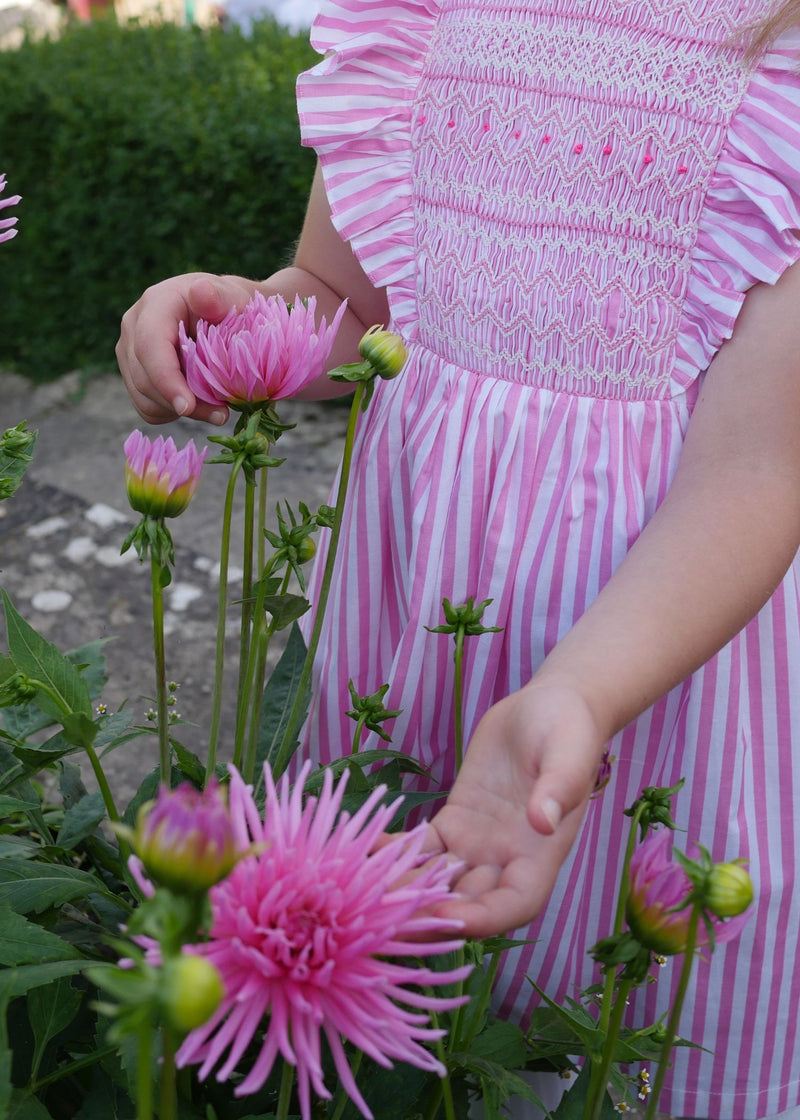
x,y
583,1027
25,1107
285,609
572,1103
18,981
29,887
91,663
503,1043
79,729
40,659
37,755
10,805
498,1084
25,942
279,696
81,820
50,1010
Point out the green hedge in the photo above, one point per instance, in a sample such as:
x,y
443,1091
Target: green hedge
x,y
140,152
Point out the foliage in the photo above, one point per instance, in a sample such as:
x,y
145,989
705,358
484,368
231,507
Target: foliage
x,y
141,152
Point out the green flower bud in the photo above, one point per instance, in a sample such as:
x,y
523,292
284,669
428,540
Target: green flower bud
x,y
15,442
384,351
729,890
306,550
192,991
17,689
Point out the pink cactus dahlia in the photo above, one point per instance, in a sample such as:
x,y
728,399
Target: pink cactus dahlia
x,y
161,480
307,931
7,230
266,352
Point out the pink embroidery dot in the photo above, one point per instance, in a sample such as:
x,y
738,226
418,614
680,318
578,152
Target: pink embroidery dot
x,y
578,149
607,150
682,169
517,135
648,159
486,128
422,120
451,124
546,139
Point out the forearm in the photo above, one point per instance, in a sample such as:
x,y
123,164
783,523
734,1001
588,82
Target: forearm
x,y
723,537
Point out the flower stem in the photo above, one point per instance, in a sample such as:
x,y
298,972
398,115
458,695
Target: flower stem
x,y
341,1096
619,917
671,1030
261,558
601,1067
144,1075
285,1097
458,657
254,685
296,714
247,590
164,767
219,660
168,1097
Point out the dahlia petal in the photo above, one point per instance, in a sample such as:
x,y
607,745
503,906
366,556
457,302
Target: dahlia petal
x,y
345,1073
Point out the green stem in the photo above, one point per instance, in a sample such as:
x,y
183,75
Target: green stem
x,y
261,540
285,1097
168,1089
219,659
247,591
164,767
602,1067
341,1096
73,1067
458,657
671,1030
362,719
619,917
296,714
443,1092
105,789
256,667
144,1074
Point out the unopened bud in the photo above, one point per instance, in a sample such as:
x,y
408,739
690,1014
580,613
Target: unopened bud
x,y
192,992
384,351
729,890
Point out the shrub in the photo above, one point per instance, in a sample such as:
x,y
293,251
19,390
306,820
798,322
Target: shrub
x,y
141,152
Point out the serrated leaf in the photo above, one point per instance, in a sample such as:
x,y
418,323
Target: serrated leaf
x,y
81,820
25,942
79,729
36,657
31,888
19,981
498,1083
25,1107
50,1010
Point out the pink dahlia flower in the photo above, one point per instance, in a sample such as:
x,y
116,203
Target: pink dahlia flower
x,y
185,838
264,353
658,908
7,230
307,932
161,480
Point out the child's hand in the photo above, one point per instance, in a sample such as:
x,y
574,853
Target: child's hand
x,y
147,350
517,804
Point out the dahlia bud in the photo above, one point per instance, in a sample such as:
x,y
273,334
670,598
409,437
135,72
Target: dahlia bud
x,y
185,838
192,991
729,890
161,480
384,351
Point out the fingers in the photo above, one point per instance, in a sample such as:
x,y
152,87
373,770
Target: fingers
x,y
148,347
564,783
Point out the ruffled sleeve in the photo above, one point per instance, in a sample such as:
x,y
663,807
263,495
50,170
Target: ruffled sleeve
x,y
750,227
355,109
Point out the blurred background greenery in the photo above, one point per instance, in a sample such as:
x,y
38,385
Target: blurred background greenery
x,y
140,152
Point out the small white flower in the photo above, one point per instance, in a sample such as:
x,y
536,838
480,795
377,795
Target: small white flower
x,y
102,709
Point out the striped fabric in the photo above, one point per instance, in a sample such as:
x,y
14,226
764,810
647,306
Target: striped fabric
x,y
567,200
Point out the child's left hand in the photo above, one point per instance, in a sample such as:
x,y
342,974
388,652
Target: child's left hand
x,y
517,805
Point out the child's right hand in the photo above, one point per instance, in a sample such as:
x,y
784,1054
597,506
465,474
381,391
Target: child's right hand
x,y
147,350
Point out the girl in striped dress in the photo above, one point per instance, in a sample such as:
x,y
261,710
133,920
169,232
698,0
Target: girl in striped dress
x,y
581,215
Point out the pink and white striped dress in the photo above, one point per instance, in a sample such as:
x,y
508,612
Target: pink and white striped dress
x,y
566,201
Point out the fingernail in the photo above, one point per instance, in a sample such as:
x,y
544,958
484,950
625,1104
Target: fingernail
x,y
552,811
180,405
217,418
